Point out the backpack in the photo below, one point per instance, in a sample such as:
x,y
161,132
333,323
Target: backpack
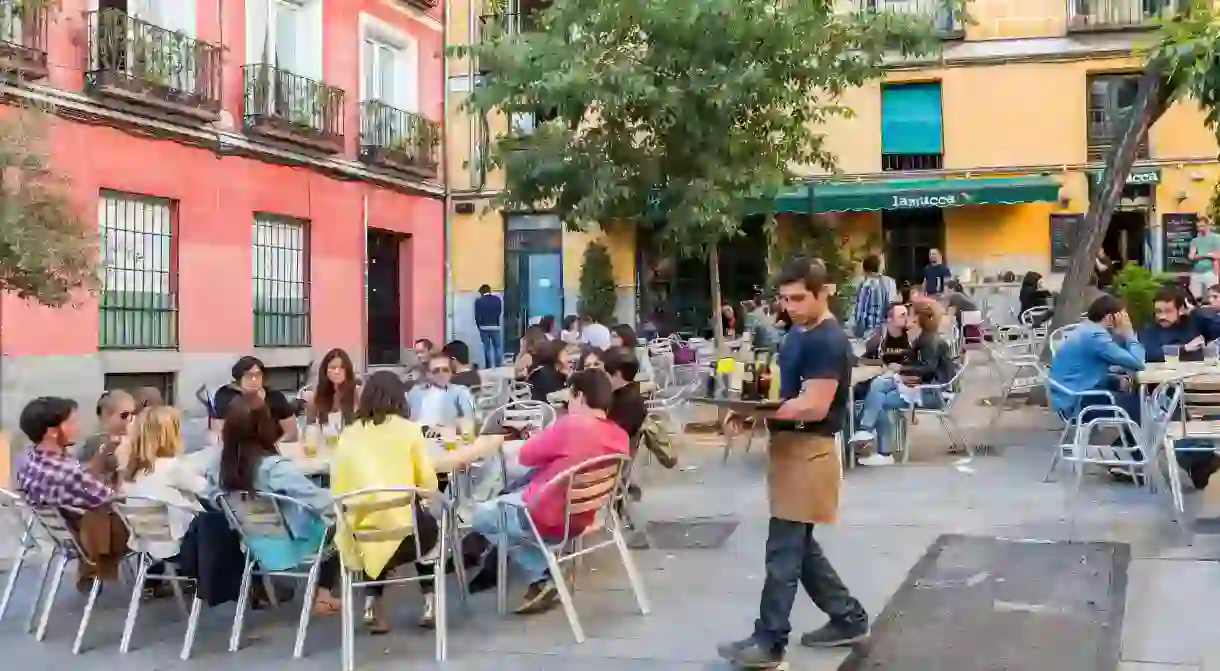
x,y
656,439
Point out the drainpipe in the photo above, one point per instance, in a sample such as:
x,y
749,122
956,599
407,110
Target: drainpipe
x,y
448,197
478,176
364,289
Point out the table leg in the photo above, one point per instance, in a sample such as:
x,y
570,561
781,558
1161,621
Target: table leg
x,y
849,453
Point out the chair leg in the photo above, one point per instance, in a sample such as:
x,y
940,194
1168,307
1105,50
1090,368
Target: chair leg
x,y
565,597
36,607
459,562
348,622
50,599
269,588
311,592
11,583
440,587
633,573
502,563
133,607
192,623
84,618
176,586
243,602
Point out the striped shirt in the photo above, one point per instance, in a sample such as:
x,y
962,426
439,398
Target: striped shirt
x,y
872,300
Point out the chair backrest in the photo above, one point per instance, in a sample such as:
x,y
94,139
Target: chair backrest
x,y
589,486
146,519
1159,409
256,514
1034,314
57,528
1059,335
15,517
205,397
1201,395
660,346
519,415
520,390
352,507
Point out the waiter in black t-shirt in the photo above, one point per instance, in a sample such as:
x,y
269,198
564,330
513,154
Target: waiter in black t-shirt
x,y
803,477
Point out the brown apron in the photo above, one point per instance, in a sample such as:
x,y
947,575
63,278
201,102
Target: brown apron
x,y
803,477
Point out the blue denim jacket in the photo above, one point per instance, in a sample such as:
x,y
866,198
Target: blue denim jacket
x,y
1084,360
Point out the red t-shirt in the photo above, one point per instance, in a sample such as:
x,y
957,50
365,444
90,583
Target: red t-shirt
x,y
569,441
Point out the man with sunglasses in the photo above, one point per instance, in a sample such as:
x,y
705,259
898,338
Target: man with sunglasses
x,y
438,402
115,411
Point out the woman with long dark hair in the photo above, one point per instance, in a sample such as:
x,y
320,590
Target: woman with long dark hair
x,y
1033,295
336,391
624,336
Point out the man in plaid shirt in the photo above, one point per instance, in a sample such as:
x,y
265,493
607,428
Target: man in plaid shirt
x,y
50,476
873,298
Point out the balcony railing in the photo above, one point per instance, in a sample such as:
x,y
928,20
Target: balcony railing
x,y
398,139
508,23
287,106
23,38
1104,131
1116,14
947,22
136,60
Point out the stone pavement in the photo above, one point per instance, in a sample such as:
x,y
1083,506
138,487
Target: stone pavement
x,y
700,597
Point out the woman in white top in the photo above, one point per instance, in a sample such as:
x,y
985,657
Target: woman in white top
x,y
155,469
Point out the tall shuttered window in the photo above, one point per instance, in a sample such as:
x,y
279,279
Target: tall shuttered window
x,y
281,282
912,127
139,302
1111,99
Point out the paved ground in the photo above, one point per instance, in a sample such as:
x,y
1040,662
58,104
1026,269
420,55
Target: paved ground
x,y
700,597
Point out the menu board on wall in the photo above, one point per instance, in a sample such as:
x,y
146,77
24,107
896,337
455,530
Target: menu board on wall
x,y
1178,230
1064,228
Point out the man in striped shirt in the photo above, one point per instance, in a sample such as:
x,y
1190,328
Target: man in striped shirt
x,y
873,298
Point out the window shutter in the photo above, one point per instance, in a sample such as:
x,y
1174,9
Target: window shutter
x,y
258,47
407,75
911,119
176,15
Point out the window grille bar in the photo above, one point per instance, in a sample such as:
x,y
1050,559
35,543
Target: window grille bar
x,y
281,282
139,306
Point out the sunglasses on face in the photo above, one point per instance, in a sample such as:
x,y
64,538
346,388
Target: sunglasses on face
x,y
126,415
438,371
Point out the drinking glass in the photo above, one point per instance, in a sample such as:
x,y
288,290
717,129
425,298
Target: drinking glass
x,y
1211,353
1171,353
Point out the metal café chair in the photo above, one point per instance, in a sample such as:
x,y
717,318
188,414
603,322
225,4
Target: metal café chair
x,y
591,486
259,519
949,392
365,502
1074,422
66,549
147,521
17,515
1199,421
1060,335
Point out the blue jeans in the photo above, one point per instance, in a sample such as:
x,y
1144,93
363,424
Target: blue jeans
x,y
882,399
493,346
522,545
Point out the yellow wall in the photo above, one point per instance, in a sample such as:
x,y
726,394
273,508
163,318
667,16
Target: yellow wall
x,y
620,242
477,248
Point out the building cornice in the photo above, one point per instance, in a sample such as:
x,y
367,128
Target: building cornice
x,y
78,107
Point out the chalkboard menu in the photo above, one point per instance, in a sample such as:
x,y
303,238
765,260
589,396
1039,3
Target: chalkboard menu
x,y
1064,229
1179,230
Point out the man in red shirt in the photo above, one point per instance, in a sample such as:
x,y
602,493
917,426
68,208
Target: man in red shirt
x,y
583,434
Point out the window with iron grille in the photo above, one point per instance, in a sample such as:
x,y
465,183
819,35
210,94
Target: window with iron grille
x,y
281,281
162,382
1111,99
139,303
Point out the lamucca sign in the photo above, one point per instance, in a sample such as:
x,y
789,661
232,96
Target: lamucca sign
x,y
901,202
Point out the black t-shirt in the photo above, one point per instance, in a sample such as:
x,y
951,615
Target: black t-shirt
x,y
627,409
894,349
819,353
544,381
277,403
468,378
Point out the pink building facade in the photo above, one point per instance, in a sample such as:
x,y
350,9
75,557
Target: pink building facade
x,y
242,160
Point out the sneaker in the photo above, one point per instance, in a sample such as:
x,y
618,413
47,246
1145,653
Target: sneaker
x,y
833,635
539,597
428,619
863,436
751,654
876,460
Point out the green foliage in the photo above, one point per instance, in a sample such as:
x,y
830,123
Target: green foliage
x,y
597,296
677,109
47,249
814,238
1189,45
1136,286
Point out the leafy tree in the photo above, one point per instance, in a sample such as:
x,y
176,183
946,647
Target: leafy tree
x,y
1184,63
597,296
675,111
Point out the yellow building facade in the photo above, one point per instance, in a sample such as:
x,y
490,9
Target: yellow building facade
x,y
1028,99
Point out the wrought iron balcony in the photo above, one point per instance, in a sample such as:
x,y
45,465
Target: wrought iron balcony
x,y
397,139
508,23
141,62
1116,14
948,23
23,38
1104,131
286,106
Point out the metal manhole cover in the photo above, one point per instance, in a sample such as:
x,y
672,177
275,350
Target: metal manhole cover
x,y
696,533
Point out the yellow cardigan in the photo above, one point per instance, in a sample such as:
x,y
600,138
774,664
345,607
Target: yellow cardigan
x,y
391,454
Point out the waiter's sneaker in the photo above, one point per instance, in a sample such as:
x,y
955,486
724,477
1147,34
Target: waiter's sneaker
x,y
751,654
861,437
876,460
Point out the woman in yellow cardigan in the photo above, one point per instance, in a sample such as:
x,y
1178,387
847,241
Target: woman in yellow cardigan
x,y
382,449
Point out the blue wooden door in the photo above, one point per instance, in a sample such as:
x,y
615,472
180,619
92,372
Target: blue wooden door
x,y
544,293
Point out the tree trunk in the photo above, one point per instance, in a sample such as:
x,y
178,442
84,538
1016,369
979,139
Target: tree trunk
x,y
1150,104
713,264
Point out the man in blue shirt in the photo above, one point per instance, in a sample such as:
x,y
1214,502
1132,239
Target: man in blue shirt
x,y
438,402
1106,338
935,274
1174,325
873,299
803,477
487,310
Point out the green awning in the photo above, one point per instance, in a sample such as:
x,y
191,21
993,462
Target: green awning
x,y
908,194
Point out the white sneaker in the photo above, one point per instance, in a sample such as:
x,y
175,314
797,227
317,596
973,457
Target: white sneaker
x,y
863,436
877,460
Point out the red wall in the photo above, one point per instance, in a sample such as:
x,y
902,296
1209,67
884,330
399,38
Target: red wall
x,y
218,195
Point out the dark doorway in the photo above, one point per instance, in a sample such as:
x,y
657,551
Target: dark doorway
x,y
909,235
1126,238
384,306
533,272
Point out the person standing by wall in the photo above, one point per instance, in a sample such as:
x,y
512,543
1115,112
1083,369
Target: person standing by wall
x,y
803,477
1204,252
935,274
488,309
